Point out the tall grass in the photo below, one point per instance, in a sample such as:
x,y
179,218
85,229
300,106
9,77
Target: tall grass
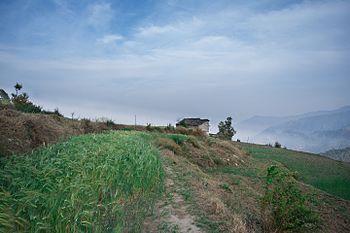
x,y
92,183
323,173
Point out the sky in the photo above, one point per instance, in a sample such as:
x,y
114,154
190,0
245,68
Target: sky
x,y
164,60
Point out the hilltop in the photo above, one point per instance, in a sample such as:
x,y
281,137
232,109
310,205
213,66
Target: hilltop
x,y
152,179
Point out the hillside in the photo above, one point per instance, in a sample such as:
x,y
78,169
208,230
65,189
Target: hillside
x,y
313,132
23,132
340,154
192,184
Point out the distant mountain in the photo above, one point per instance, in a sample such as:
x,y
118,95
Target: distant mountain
x,y
340,154
256,124
313,132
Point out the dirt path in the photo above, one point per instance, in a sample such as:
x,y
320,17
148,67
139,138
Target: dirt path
x,y
170,213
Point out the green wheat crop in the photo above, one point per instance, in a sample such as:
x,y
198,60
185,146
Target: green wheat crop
x,y
92,183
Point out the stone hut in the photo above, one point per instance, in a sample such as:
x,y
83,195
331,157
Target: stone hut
x,y
195,123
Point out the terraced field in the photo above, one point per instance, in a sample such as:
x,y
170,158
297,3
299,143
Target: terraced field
x,y
326,174
130,181
92,183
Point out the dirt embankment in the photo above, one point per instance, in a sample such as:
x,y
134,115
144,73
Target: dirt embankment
x,y
22,132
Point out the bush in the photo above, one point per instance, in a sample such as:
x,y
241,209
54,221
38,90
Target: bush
x,y
25,106
22,103
87,126
169,127
177,138
278,145
149,127
287,204
110,123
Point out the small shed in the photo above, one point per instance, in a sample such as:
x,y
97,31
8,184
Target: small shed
x,y
195,123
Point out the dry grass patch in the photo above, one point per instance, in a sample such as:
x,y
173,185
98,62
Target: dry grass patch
x,y
167,143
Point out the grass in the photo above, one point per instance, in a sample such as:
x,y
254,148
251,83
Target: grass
x,y
328,175
92,183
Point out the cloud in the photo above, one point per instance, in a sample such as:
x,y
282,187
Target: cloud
x,y
233,60
109,39
100,15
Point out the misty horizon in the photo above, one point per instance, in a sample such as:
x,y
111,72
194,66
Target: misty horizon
x,y
164,60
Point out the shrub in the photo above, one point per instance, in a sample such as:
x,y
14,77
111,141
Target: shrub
x,y
287,204
149,127
110,123
278,145
178,138
22,103
169,127
87,126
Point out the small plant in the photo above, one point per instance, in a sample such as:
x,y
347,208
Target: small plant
x,y
287,204
218,161
169,127
149,127
186,194
237,182
226,187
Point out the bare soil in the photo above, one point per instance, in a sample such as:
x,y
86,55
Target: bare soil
x,y
171,212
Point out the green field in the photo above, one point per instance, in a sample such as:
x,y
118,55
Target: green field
x,y
328,175
92,183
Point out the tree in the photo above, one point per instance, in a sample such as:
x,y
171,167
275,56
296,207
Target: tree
x,y
226,130
22,102
17,87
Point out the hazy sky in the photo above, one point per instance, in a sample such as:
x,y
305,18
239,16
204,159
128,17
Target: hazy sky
x,y
163,60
